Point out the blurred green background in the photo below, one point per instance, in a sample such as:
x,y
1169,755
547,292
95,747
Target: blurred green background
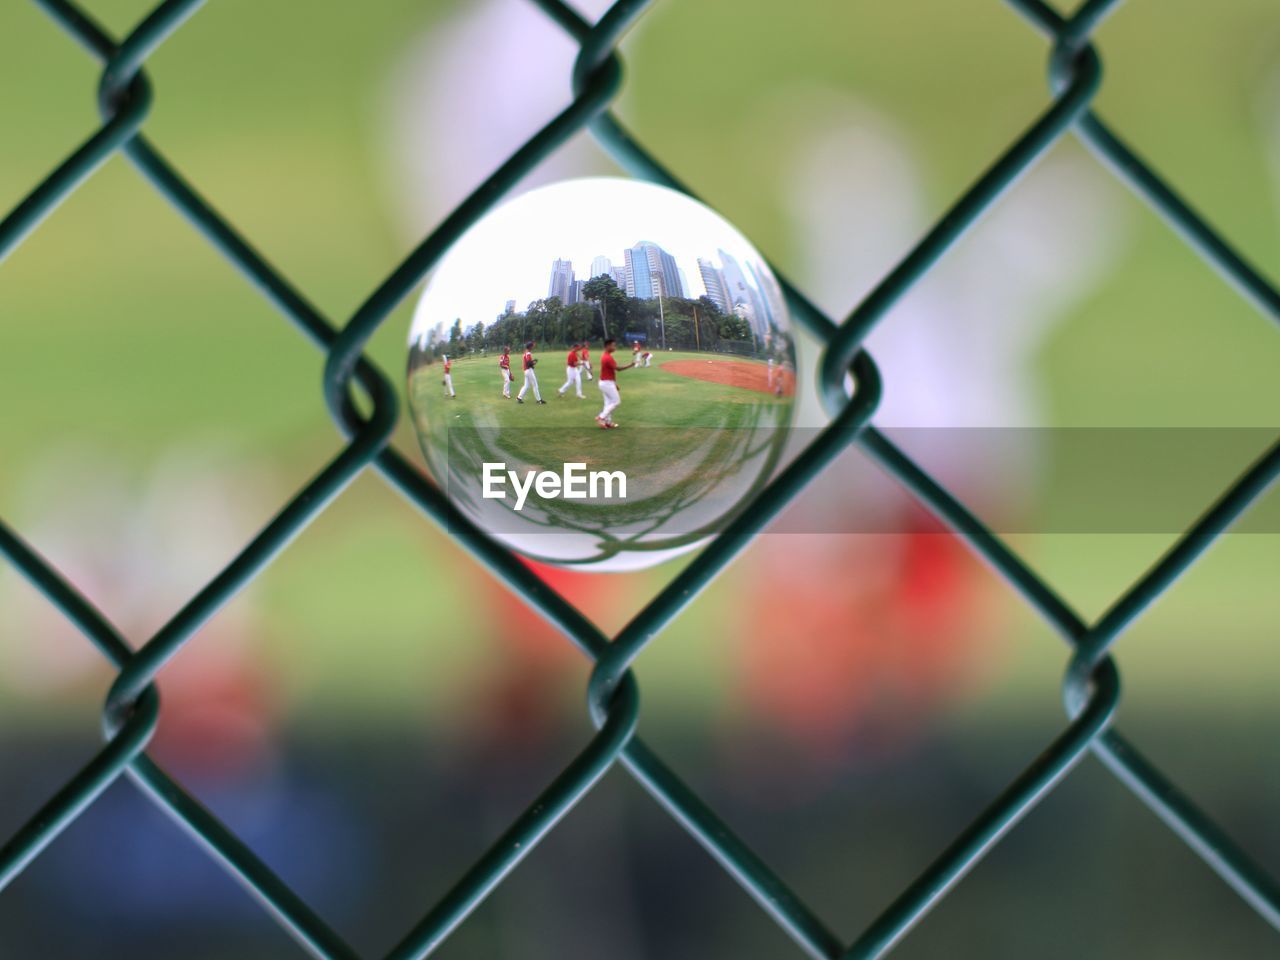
x,y
157,410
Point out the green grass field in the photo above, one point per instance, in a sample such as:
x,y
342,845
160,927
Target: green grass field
x,y
692,450
126,336
651,396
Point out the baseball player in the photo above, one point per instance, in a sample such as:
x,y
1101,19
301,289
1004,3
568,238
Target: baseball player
x,y
639,359
585,361
530,378
504,364
572,374
448,378
609,385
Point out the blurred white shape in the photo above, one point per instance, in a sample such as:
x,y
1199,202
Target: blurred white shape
x,y
959,349
137,549
40,650
471,91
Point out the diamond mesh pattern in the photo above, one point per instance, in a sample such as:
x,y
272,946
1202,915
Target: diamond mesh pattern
x,y
1091,685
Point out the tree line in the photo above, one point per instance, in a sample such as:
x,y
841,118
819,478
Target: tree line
x,y
605,311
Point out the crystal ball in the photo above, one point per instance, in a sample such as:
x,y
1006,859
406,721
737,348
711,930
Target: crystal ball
x,y
602,373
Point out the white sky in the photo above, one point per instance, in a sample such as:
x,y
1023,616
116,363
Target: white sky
x,y
507,255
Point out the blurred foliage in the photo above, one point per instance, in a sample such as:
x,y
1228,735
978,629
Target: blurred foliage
x,y
121,327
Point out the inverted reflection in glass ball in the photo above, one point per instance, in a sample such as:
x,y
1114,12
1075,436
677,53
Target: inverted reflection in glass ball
x,y
601,373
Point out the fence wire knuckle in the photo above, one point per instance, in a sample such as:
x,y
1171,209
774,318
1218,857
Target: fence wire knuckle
x,y
1091,682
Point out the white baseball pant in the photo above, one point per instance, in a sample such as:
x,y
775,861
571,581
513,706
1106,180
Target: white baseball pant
x,y
530,383
572,378
612,400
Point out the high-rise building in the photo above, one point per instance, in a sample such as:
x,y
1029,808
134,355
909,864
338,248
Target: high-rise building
x,y
619,275
770,296
601,267
735,281
637,273
664,265
744,298
717,289
511,306
561,280
575,291
651,269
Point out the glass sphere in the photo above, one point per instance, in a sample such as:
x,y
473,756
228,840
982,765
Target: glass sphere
x,y
602,373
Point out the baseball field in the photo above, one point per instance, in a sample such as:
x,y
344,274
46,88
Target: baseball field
x,y
179,365
696,433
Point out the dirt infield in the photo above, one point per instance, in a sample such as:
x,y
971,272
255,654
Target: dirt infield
x,y
735,373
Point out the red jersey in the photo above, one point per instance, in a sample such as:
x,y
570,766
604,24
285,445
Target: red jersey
x,y
528,360
573,358
586,354
608,368
505,362
447,365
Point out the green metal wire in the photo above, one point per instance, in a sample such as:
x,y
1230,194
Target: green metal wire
x,y
1091,686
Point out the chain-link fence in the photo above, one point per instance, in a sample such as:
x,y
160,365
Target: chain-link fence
x,y
850,388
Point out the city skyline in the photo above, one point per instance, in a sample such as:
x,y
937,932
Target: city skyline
x,y
650,270
511,253
561,275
